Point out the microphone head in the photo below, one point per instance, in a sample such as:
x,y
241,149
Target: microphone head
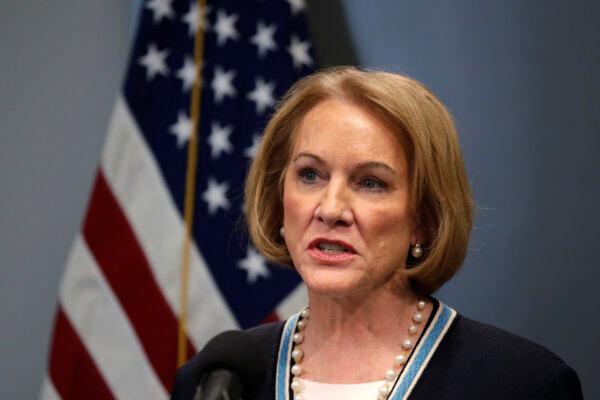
x,y
236,351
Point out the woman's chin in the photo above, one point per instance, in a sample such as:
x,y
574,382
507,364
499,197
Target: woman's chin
x,y
333,284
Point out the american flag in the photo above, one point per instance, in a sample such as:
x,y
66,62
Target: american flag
x,y
116,328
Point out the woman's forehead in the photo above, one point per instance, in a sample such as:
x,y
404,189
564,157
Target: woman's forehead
x,y
336,129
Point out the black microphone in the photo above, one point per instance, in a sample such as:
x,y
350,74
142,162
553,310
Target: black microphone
x,y
230,366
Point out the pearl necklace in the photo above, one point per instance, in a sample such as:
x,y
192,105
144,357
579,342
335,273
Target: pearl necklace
x,y
390,376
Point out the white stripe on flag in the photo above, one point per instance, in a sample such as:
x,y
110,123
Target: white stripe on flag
x,y
105,330
137,183
294,301
48,391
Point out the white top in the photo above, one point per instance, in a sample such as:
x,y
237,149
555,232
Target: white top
x,y
328,391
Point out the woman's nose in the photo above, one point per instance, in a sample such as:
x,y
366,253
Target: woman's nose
x,y
334,207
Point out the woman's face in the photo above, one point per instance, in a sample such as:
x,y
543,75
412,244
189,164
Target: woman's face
x,y
347,221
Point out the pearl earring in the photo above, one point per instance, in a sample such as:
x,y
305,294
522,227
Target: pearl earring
x,y
416,251
282,232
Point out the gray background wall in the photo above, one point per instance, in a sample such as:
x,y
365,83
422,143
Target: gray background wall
x,y
521,77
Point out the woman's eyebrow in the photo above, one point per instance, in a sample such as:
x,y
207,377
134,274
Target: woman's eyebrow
x,y
309,155
378,165
363,165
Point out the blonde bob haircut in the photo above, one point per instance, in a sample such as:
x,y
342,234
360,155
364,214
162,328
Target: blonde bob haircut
x,y
439,192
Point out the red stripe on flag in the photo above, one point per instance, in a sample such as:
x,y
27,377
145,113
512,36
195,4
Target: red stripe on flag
x,y
120,257
271,317
72,370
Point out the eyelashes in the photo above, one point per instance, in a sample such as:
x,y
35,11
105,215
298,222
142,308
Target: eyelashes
x,y
308,175
311,176
373,184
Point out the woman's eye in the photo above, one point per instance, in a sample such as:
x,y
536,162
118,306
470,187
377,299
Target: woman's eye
x,y
372,184
309,175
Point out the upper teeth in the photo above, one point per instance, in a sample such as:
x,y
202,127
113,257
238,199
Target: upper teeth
x,y
331,246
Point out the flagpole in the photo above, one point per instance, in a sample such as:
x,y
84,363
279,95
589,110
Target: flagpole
x,y
190,191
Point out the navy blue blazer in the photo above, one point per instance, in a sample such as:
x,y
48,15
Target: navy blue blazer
x,y
474,361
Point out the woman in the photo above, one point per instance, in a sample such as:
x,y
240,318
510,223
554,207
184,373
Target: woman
x,y
360,185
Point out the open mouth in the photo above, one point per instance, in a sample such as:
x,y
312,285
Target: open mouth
x,y
332,247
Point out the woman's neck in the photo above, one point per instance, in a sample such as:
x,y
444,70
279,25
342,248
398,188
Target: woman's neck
x,y
353,340
378,314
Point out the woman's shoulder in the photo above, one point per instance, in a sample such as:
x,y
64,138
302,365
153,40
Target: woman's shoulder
x,y
477,360
478,338
270,331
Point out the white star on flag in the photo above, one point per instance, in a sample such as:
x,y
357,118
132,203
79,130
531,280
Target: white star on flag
x,y
225,27
254,264
222,84
297,6
196,18
160,9
262,95
219,139
263,39
251,151
154,61
299,52
215,195
182,129
187,73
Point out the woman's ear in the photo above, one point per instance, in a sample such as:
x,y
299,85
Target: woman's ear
x,y
417,236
